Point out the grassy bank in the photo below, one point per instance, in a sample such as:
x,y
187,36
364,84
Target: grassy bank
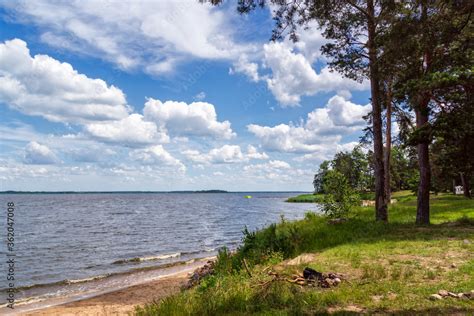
x,y
318,198
306,198
390,268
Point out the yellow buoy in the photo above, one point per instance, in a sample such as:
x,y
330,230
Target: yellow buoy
x,y
248,196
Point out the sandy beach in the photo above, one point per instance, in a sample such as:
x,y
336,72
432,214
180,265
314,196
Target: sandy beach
x,y
120,302
130,290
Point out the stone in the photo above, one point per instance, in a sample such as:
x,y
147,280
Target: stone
x,y
329,281
200,273
443,293
337,281
467,242
435,297
452,294
453,265
324,283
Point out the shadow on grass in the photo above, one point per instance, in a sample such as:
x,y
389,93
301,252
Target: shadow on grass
x,y
362,231
314,234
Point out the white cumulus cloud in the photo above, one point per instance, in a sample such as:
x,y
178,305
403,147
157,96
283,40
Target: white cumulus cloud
x,y
194,119
293,75
272,170
38,154
327,152
153,36
224,155
244,66
323,127
252,153
43,86
130,131
345,113
156,155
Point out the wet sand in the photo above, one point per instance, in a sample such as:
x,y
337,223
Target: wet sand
x,y
128,291
120,302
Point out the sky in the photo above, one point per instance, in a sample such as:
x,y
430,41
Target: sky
x,y
165,95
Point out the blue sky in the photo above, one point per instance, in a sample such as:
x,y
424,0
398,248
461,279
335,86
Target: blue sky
x,y
165,96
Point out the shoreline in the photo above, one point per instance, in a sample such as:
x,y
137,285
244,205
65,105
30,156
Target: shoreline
x,y
115,295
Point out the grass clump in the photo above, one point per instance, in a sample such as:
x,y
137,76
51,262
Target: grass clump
x,y
391,268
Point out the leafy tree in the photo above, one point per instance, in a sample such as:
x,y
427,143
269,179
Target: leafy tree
x,y
454,147
318,182
340,198
363,170
355,167
344,164
404,169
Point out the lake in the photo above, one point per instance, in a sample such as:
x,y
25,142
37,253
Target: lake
x,y
66,239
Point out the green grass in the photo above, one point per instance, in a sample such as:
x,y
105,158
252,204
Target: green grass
x,y
318,198
391,268
306,198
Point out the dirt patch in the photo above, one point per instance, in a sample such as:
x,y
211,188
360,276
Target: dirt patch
x,y
347,309
304,258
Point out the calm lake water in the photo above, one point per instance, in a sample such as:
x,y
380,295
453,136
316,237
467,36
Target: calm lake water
x,y
74,237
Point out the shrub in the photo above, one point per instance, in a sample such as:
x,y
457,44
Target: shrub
x,y
224,263
340,198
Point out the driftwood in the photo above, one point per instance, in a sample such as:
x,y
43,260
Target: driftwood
x,y
309,277
247,267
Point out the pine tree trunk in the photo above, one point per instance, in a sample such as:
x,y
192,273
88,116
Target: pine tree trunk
x,y
423,209
422,116
380,201
388,142
465,185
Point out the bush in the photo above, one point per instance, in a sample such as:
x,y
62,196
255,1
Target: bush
x,y
340,198
224,263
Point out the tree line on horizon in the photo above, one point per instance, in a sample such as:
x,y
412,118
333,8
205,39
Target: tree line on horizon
x,y
418,57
